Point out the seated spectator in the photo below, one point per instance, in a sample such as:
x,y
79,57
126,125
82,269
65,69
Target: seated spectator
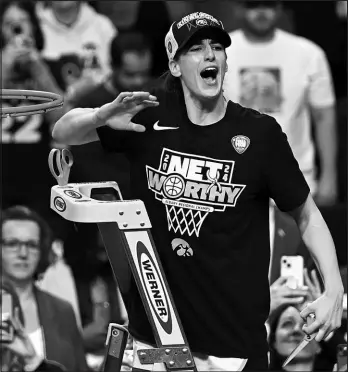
x,y
19,354
77,42
25,139
49,322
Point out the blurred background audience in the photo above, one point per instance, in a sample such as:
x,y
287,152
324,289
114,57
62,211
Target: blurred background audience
x,y
89,51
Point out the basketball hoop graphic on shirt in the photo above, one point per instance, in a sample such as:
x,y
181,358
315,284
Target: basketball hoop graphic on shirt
x,y
191,187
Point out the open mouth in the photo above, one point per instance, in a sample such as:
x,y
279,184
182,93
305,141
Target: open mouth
x,y
209,74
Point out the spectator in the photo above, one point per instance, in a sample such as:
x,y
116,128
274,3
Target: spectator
x,y
19,354
287,77
131,61
49,321
25,139
286,333
77,42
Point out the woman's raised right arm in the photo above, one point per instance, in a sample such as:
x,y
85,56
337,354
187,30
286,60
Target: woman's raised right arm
x,y
78,126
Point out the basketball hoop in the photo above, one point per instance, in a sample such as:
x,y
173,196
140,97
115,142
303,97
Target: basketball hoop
x,y
52,101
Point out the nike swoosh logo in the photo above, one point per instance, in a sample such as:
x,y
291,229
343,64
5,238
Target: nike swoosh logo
x,y
157,127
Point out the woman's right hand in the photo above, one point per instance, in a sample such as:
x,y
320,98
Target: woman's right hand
x,y
119,113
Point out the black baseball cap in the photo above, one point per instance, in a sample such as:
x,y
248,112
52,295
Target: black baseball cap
x,y
182,31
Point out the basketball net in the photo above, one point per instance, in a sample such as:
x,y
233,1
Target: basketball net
x,y
185,217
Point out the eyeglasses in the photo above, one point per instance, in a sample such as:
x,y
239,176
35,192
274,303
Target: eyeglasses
x,y
258,4
14,245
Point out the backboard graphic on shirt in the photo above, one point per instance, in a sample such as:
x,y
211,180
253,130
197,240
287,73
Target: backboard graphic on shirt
x,y
260,89
191,186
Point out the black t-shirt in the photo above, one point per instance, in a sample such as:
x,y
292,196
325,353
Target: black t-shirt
x,y
216,252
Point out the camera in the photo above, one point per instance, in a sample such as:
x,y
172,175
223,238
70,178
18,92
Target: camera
x,y
6,317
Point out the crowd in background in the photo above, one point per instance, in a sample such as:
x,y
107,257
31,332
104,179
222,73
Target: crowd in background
x,y
89,52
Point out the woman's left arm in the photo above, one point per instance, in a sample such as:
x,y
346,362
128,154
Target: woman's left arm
x,y
328,307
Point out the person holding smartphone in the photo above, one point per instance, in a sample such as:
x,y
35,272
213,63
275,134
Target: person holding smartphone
x,y
47,321
17,350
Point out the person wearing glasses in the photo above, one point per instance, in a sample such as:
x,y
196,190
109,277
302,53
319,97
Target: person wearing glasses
x,y
49,322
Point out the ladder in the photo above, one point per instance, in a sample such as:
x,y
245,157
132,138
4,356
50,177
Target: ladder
x,y
125,226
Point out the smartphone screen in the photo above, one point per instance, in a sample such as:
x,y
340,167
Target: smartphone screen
x,y
292,267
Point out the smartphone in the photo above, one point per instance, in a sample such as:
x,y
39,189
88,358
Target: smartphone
x,y
341,357
6,316
292,267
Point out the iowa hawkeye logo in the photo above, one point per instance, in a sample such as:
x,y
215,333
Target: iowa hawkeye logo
x,y
193,184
